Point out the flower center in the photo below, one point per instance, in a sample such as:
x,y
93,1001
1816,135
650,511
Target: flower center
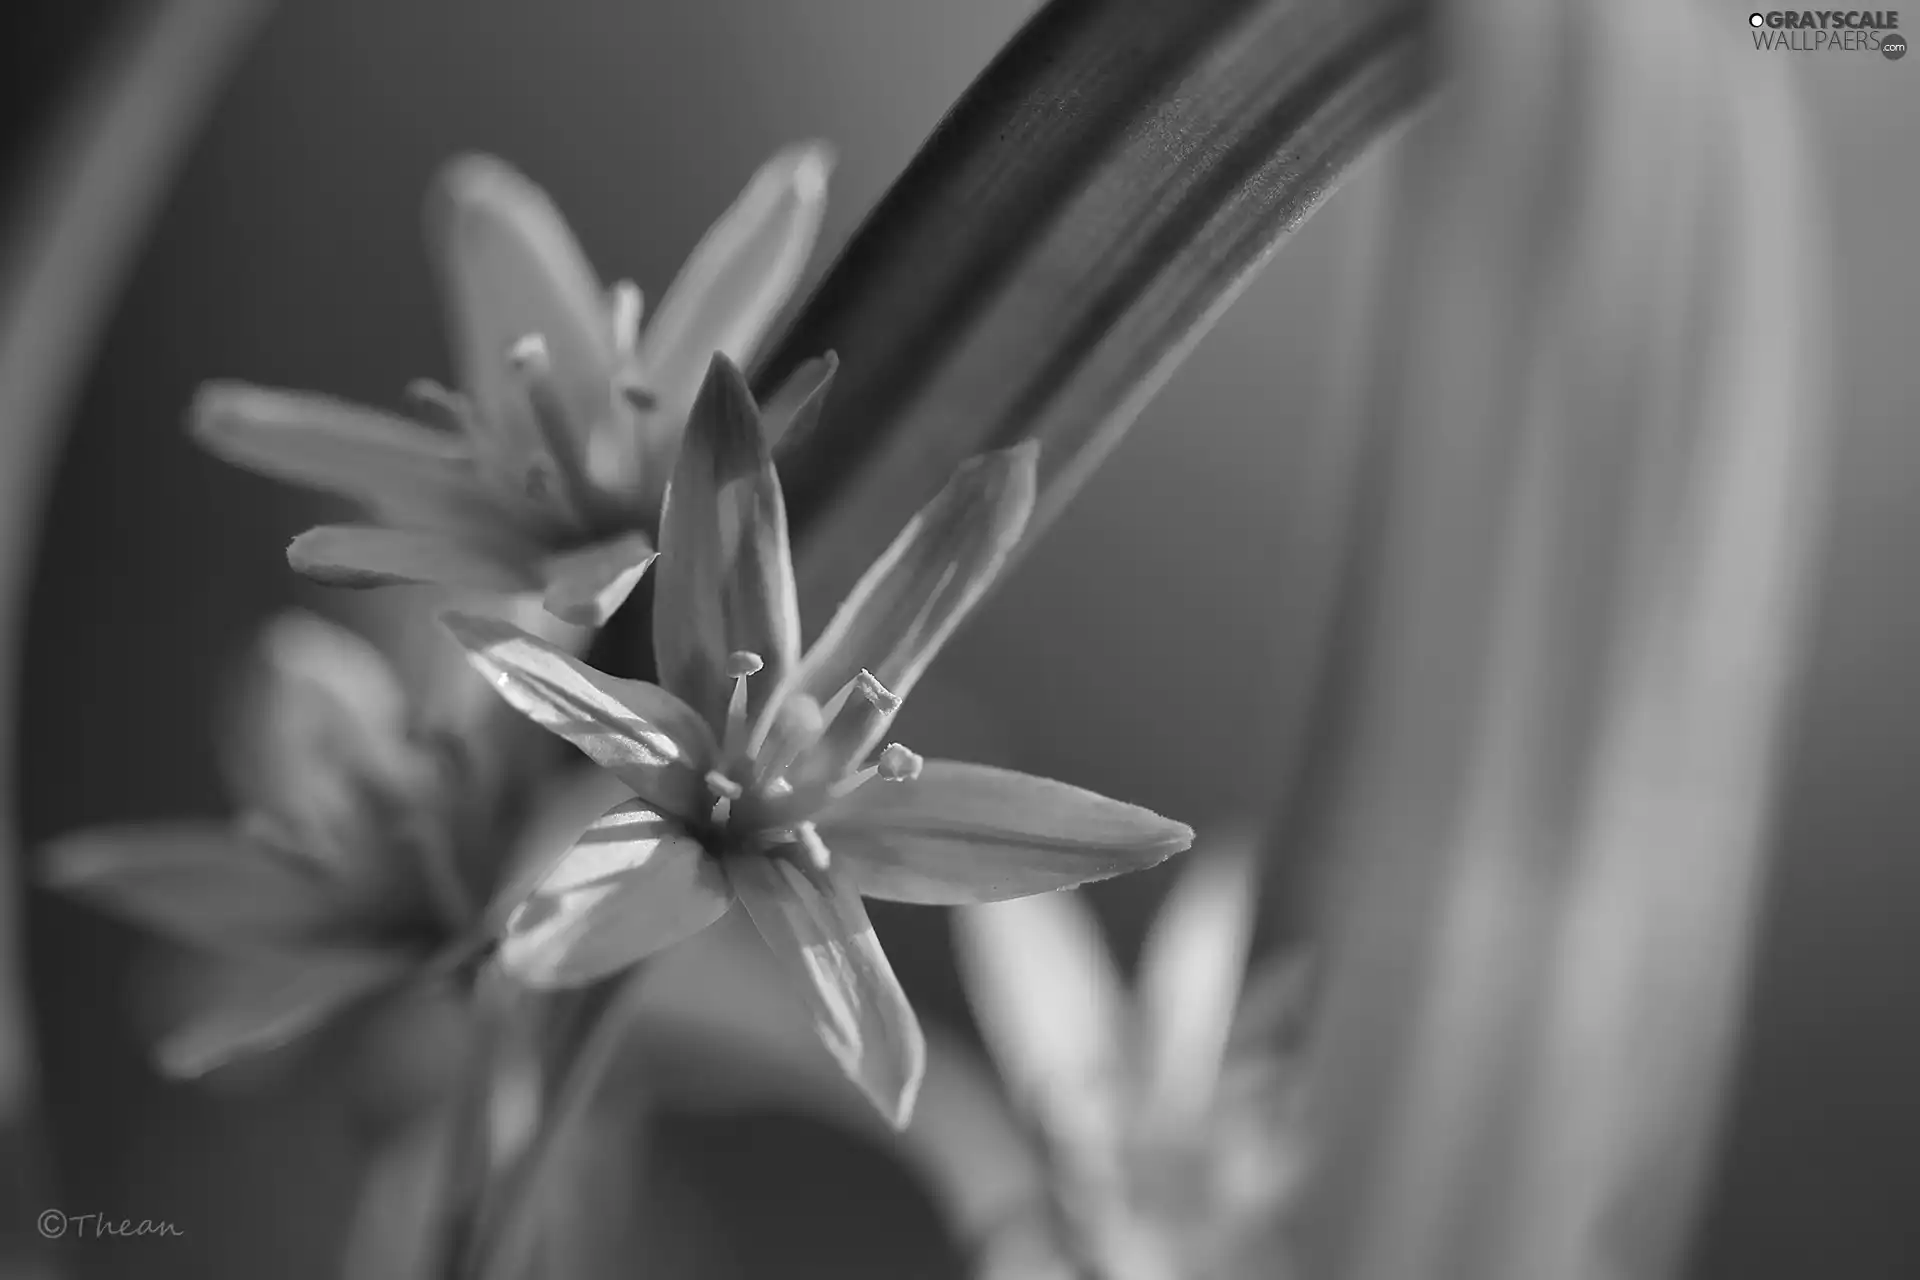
x,y
800,757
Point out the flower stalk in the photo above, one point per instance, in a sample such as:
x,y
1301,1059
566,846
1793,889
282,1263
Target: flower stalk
x,y
1091,205
1604,431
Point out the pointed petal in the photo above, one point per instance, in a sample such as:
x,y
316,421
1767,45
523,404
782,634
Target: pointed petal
x,y
198,883
652,741
585,587
358,555
814,922
634,883
395,465
726,577
326,701
904,608
510,267
1191,973
796,406
269,1001
965,833
738,277
320,737
1053,1013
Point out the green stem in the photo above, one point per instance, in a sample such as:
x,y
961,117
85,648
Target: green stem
x,y
510,1230
471,1148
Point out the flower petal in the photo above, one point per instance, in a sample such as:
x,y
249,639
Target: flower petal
x,y
726,578
635,882
737,278
395,465
1191,973
814,922
199,883
652,741
965,833
509,267
903,609
358,555
795,407
268,1001
322,741
585,587
1053,1013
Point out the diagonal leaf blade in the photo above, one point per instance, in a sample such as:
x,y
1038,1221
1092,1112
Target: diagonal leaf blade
x,y
1085,211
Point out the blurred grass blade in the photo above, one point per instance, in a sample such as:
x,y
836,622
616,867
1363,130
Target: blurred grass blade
x,y
1086,210
78,218
1602,392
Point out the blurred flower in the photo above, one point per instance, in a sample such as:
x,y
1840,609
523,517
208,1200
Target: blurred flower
x,y
1165,1115
544,473
360,860
747,761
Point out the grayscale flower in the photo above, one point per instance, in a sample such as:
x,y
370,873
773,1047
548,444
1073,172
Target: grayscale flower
x,y
1165,1114
753,766
543,473
362,859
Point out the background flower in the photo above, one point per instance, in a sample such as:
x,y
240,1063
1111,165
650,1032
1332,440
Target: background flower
x,y
543,473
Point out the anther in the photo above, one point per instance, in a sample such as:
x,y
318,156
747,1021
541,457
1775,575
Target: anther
x,y
721,785
534,361
742,663
883,699
624,304
899,764
862,712
529,355
816,848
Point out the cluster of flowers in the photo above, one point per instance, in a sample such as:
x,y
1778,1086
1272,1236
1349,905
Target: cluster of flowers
x,y
583,450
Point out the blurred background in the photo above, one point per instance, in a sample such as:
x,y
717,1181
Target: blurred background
x,y
1125,655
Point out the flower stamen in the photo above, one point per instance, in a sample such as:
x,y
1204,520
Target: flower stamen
x,y
624,307
860,713
898,763
534,362
816,848
637,395
741,664
725,793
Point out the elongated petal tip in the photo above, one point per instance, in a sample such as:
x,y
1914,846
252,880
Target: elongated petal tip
x,y
586,587
311,557
375,556
1005,481
807,167
812,919
964,833
476,179
725,390
1018,461
214,409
